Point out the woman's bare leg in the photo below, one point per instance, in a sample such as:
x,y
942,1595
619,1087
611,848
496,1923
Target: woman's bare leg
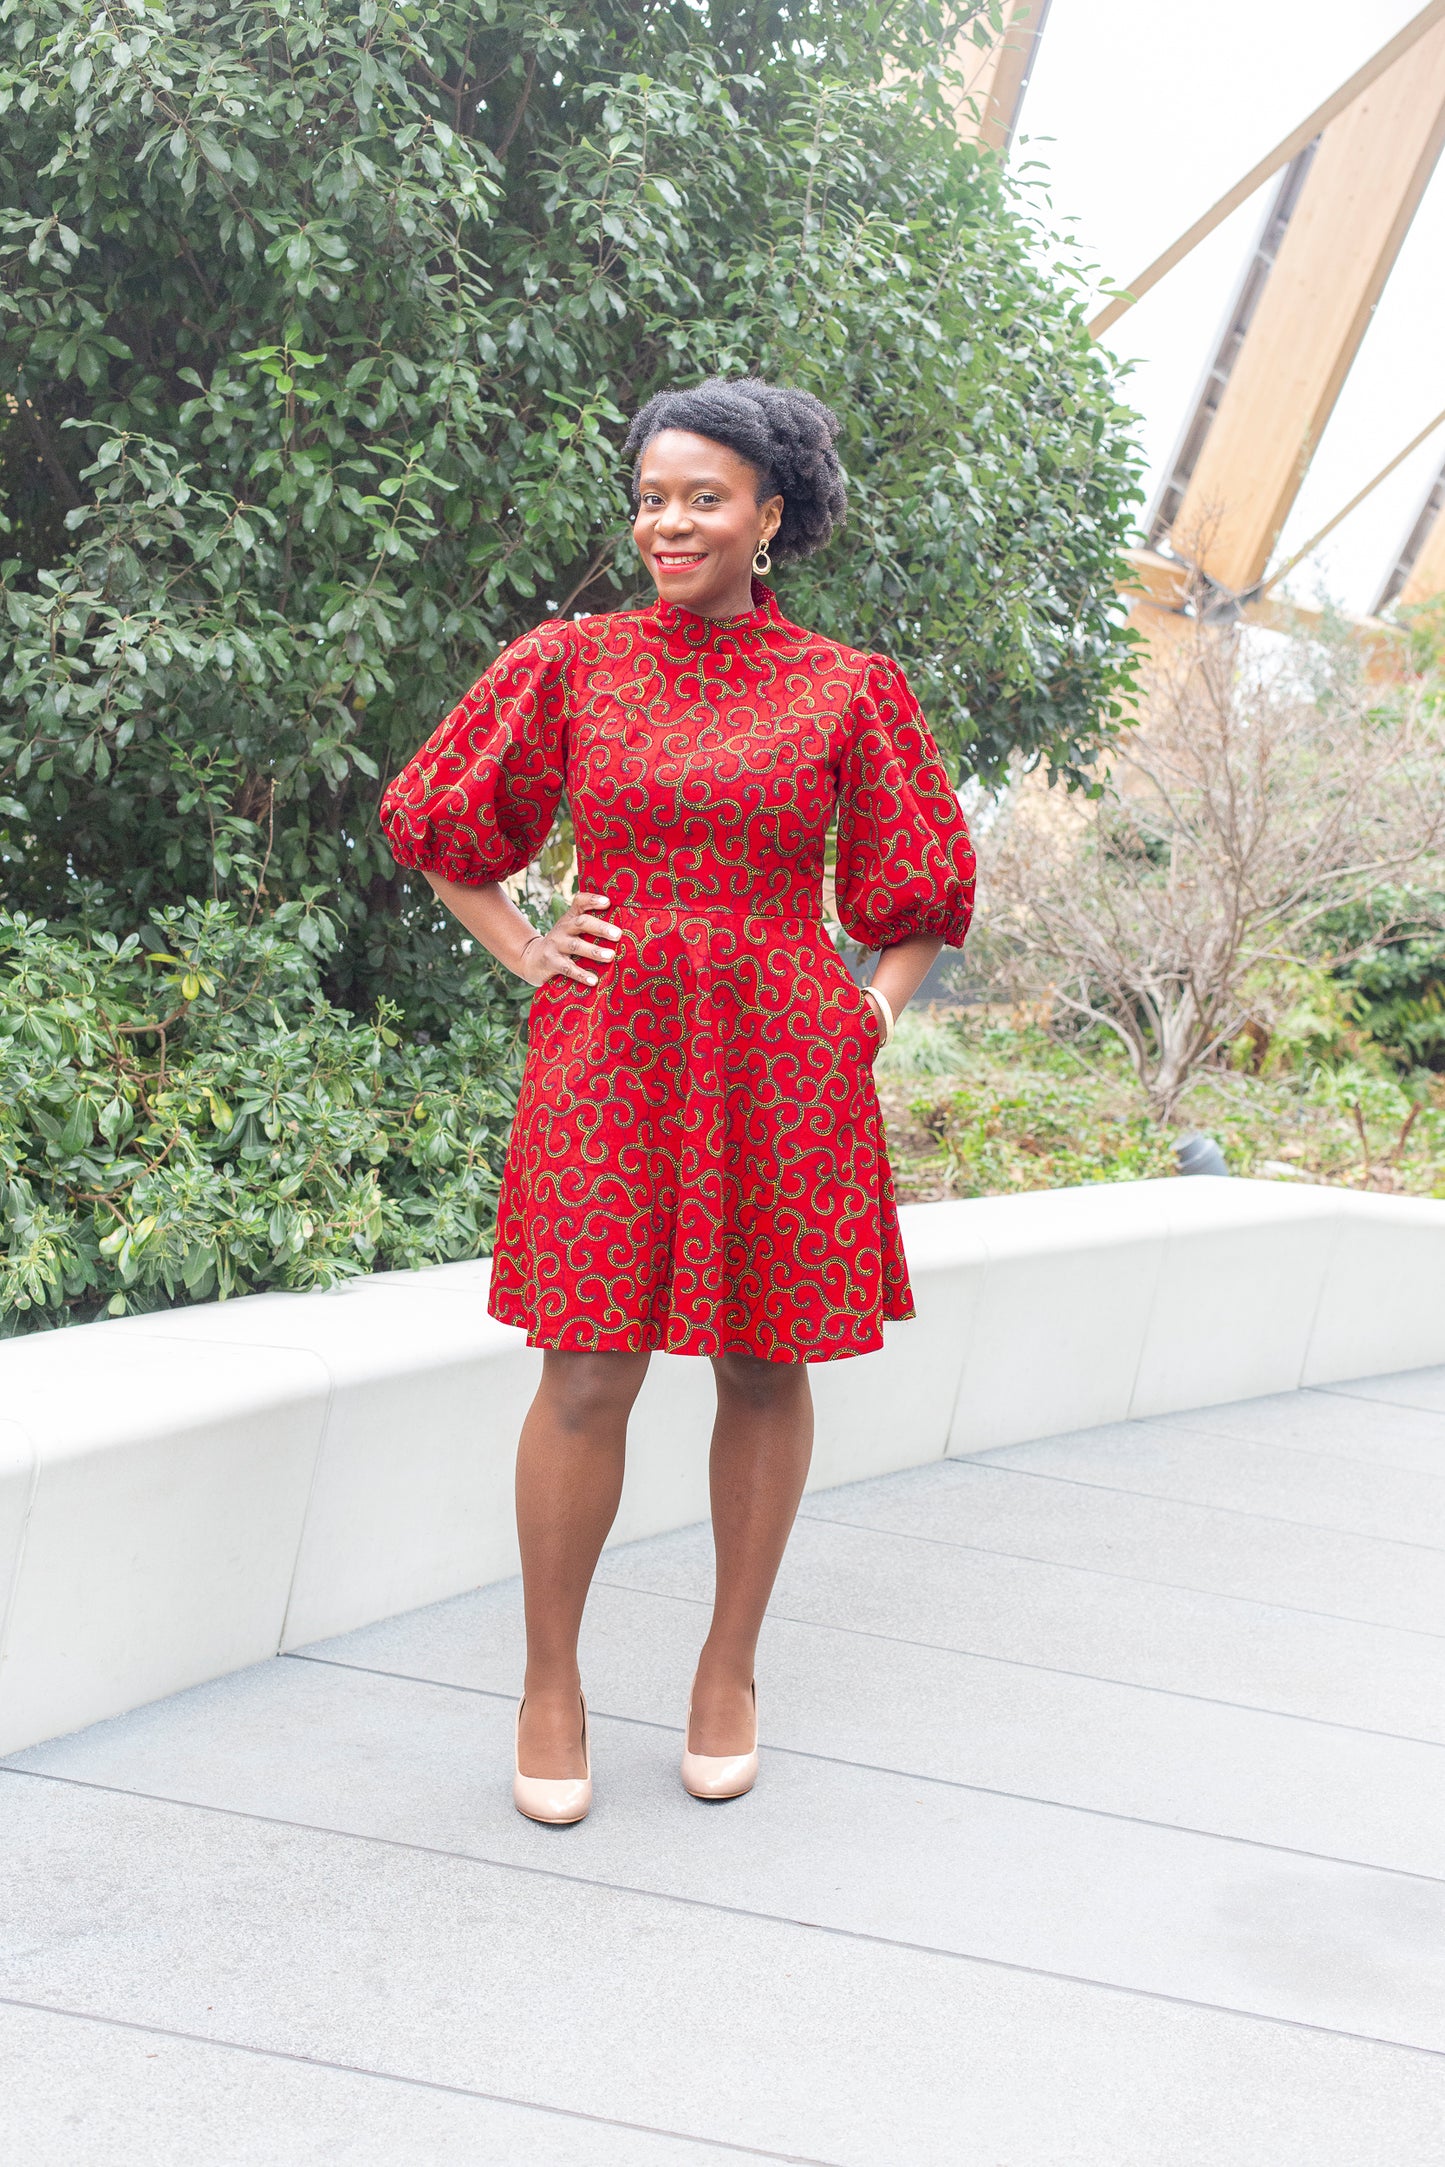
x,y
569,1478
762,1442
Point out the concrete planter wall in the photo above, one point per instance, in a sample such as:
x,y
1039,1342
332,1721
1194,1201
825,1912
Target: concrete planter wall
x,y
186,1493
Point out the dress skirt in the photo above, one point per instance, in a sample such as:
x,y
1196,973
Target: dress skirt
x,y
698,1161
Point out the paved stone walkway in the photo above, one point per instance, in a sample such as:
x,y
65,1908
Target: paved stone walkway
x,y
1101,1824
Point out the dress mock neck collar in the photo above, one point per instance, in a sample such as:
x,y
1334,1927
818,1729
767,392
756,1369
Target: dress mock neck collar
x,y
764,612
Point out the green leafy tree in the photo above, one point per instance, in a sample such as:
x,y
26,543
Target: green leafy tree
x,y
320,319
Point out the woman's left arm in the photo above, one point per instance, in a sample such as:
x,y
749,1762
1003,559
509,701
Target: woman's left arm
x,y
905,864
902,969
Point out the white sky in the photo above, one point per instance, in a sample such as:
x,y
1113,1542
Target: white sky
x,y
1144,112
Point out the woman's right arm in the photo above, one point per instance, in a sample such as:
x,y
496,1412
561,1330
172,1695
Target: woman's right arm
x,y
475,804
491,917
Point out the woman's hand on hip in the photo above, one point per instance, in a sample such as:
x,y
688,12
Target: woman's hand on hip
x,y
578,939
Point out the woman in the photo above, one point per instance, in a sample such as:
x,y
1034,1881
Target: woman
x,y
697,1162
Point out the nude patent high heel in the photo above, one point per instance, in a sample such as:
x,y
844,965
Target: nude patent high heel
x,y
719,1775
557,1800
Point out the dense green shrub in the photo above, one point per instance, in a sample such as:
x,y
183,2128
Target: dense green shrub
x,y
320,318
184,1115
1393,972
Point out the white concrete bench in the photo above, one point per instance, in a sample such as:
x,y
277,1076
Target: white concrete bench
x,y
186,1493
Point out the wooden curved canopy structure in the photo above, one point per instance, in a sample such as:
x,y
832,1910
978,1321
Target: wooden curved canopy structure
x,y
1350,178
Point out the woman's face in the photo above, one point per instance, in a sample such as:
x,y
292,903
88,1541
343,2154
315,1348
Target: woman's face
x,y
699,522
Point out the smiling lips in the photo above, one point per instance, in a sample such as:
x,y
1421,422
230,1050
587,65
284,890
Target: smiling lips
x,y
675,561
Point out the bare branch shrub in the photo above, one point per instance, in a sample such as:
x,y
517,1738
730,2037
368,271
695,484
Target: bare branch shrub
x,y
1262,790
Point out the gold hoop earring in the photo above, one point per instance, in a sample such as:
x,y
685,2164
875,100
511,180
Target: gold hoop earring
x,y
762,562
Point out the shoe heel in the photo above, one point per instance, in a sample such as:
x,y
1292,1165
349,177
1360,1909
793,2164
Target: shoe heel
x,y
718,1776
555,1800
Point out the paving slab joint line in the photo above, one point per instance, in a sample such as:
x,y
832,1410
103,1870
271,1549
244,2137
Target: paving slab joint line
x,y
1047,1670
761,1918
398,2076
1163,1497
1313,1452
1340,1391
872,1768
1102,1572
985,1463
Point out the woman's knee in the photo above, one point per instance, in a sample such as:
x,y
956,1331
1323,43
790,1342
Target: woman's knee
x,y
758,1383
592,1390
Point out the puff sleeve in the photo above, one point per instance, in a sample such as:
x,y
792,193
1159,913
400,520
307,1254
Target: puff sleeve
x,y
905,863
476,802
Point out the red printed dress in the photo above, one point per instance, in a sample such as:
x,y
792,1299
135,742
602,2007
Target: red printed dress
x,y
698,1161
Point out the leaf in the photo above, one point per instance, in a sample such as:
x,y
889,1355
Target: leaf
x,y
79,1129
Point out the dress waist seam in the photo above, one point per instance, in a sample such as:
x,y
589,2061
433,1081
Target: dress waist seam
x,y
686,907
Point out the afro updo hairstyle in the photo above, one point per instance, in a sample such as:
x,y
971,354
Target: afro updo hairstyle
x,y
787,435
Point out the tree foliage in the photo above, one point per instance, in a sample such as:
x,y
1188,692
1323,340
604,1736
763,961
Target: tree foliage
x,y
320,319
184,1116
